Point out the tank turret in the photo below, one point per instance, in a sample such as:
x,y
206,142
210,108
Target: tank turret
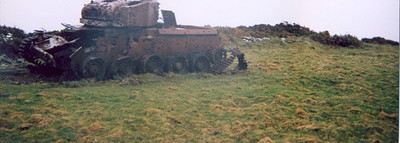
x,y
120,13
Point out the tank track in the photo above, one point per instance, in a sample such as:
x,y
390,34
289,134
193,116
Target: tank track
x,y
221,65
35,55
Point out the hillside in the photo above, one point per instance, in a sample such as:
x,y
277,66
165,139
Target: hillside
x,y
295,90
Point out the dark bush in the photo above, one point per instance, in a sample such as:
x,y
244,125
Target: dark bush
x,y
10,38
283,29
323,38
346,41
336,40
380,40
294,29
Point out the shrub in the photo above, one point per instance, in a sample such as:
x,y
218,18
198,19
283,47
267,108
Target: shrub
x,y
10,38
336,40
380,40
322,37
346,41
283,29
294,29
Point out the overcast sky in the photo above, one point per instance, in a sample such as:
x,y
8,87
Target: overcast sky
x,y
362,18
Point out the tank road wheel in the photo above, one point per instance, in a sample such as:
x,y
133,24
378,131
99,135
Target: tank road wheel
x,y
178,64
153,64
122,66
93,67
200,63
219,55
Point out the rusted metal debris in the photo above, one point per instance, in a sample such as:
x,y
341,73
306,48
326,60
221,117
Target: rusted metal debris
x,y
121,37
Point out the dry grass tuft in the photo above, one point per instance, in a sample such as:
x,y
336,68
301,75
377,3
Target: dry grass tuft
x,y
387,116
310,100
96,127
6,123
150,112
217,107
294,104
301,113
89,139
36,118
235,110
228,103
309,128
193,101
241,101
45,122
117,134
25,126
355,110
173,88
266,140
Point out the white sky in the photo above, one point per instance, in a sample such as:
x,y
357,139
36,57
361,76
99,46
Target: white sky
x,y
362,18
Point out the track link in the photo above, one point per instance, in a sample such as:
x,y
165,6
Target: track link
x,y
220,66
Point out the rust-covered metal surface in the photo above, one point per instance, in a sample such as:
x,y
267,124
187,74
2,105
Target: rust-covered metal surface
x,y
122,36
120,13
185,31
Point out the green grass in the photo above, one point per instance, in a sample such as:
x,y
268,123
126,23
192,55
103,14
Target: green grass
x,y
297,92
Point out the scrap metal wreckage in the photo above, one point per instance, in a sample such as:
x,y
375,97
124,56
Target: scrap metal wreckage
x,y
119,37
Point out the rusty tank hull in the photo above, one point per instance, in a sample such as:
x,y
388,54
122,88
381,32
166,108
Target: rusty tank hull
x,y
123,37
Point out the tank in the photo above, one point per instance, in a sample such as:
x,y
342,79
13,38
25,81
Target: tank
x,y
121,37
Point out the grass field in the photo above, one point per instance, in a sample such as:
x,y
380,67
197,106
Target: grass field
x,y
296,91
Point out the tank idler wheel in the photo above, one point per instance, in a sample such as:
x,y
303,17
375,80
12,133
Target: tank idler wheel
x,y
200,63
122,66
220,55
179,64
93,67
153,64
